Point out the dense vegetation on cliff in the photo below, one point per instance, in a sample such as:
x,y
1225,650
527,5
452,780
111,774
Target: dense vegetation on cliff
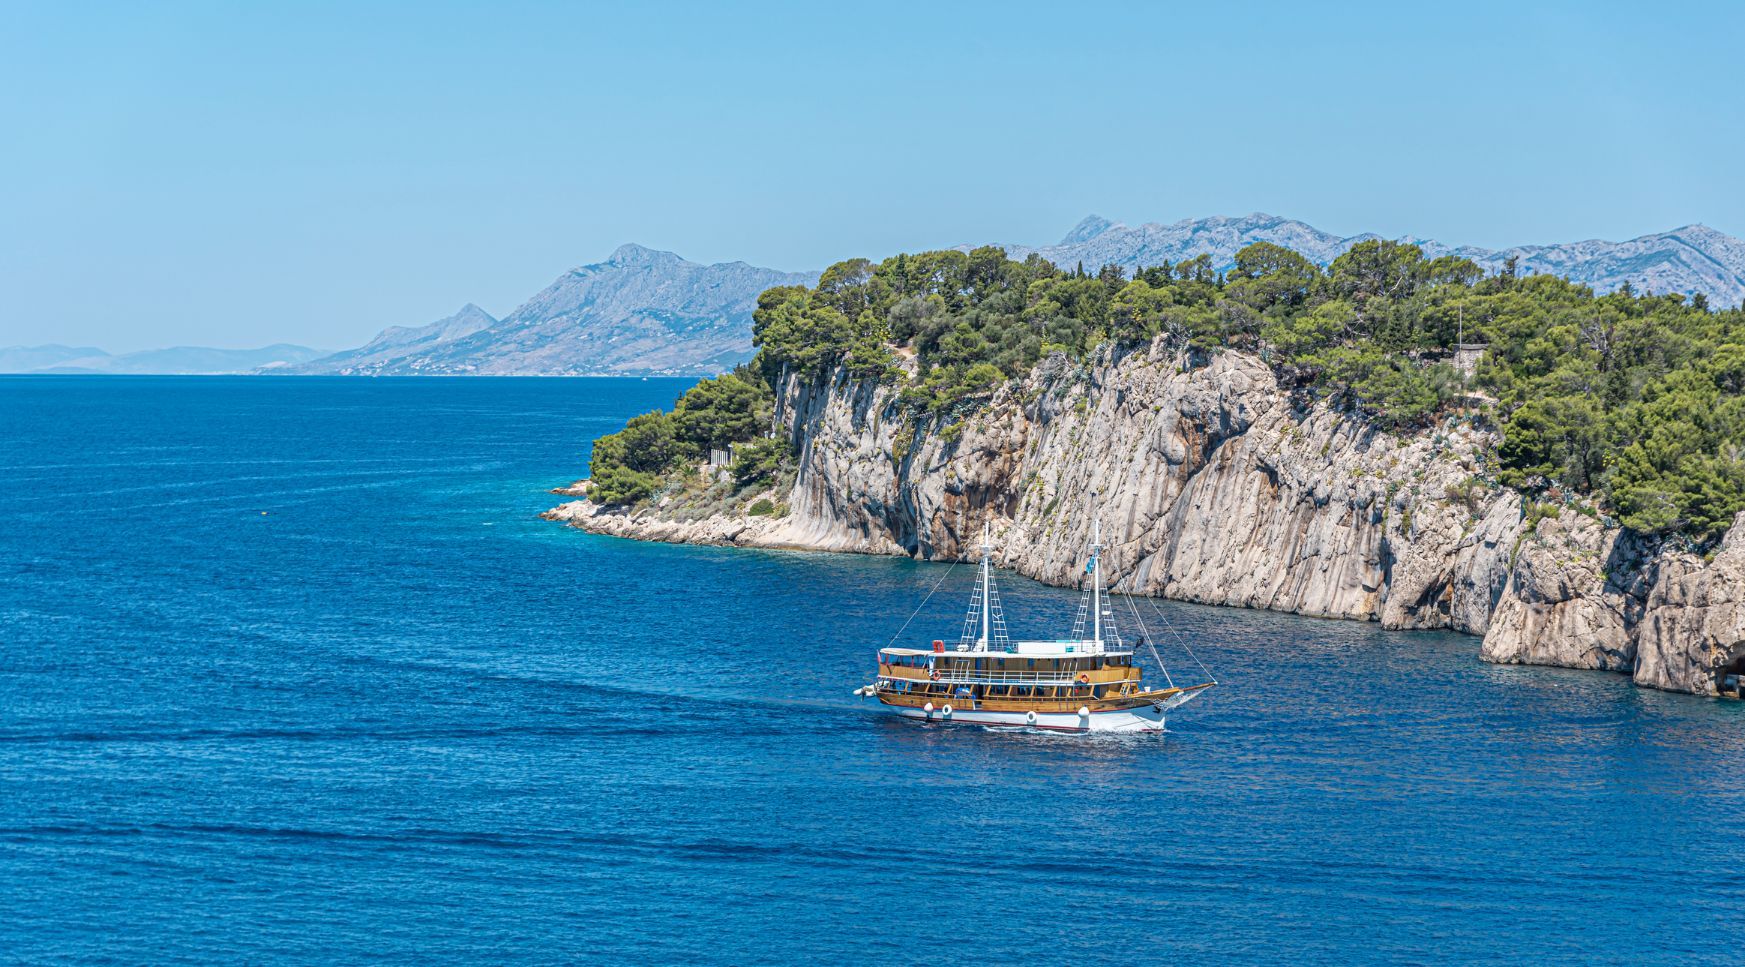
x,y
1636,400
717,413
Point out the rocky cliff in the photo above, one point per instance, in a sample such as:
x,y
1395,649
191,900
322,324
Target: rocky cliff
x,y
1214,487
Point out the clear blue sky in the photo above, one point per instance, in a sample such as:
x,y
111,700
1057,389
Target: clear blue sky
x,y
237,174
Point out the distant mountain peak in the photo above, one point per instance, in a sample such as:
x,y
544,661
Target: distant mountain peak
x,y
1091,227
640,311
631,253
396,341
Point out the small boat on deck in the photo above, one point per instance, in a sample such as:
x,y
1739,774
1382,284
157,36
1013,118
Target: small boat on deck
x,y
1088,682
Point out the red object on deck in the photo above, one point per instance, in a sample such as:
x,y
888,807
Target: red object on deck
x,y
938,645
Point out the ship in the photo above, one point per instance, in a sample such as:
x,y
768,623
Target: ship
x,y
1088,682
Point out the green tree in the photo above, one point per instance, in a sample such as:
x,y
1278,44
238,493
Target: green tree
x,y
1137,312
718,412
759,461
1301,337
1268,276
1376,269
1637,400
791,329
626,466
1559,438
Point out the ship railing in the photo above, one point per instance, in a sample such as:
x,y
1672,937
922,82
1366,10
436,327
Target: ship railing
x,y
1002,678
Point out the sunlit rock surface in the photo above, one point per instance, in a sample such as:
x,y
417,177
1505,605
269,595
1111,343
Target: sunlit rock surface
x,y
1213,487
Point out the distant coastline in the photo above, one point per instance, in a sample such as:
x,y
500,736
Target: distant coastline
x,y
55,359
645,312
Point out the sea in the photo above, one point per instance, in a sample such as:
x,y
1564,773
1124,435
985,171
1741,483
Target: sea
x,y
291,671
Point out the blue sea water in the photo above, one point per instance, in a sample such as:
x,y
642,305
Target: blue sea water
x,y
290,672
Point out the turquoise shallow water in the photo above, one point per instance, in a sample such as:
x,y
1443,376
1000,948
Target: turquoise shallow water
x,y
397,717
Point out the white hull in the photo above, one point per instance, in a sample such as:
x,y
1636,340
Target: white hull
x,y
1146,718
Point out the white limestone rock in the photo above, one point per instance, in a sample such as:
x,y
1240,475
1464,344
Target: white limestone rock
x,y
1213,487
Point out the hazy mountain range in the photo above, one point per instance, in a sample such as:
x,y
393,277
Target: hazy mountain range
x,y
400,343
646,312
1691,259
640,312
177,360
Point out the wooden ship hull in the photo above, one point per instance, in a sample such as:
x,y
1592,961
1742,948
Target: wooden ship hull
x,y
1139,713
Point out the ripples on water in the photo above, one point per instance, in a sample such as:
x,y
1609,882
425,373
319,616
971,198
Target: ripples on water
x,y
399,717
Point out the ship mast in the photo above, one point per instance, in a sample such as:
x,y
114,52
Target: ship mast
x,y
1097,582
984,625
987,582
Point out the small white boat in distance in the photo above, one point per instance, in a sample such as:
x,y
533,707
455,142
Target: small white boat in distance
x,y
1085,683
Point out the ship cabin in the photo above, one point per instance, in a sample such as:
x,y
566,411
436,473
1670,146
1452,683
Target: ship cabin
x,y
1038,674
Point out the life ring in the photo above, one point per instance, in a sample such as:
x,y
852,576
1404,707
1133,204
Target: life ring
x,y
1084,678
946,711
934,674
1030,717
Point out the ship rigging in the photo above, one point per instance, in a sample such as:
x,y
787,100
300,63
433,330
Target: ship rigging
x,y
1088,682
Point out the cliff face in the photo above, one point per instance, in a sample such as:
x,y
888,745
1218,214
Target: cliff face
x,y
1213,488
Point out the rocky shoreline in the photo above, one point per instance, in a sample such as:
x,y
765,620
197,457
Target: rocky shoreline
x,y
1213,487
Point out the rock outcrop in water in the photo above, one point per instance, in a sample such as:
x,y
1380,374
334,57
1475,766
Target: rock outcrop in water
x,y
1215,487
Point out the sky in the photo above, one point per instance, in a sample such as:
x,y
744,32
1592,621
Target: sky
x,y
234,175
